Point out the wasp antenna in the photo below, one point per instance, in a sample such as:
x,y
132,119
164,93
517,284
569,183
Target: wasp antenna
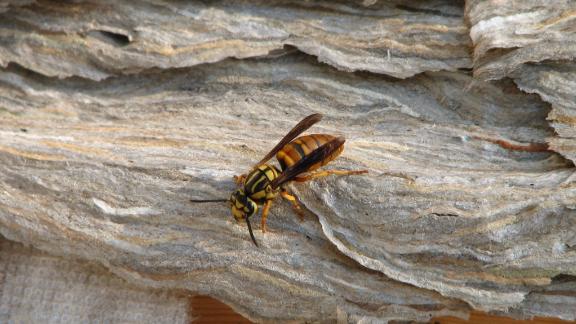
x,y
207,200
250,231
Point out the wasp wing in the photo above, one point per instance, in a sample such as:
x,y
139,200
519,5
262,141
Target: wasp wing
x,y
307,161
303,125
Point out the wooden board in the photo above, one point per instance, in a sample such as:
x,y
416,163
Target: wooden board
x,y
482,318
206,310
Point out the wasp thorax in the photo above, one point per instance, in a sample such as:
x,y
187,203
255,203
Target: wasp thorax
x,y
242,206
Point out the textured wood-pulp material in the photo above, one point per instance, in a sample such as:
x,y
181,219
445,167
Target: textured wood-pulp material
x,y
39,288
508,34
533,42
399,38
105,138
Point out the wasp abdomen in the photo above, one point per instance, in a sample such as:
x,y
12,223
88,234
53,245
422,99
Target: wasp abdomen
x,y
302,146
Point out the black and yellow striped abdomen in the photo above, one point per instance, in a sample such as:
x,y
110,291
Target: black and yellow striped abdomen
x,y
302,146
258,183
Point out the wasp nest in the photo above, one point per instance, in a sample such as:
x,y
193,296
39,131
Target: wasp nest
x,y
113,115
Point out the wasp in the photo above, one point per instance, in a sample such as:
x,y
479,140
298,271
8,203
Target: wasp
x,y
299,159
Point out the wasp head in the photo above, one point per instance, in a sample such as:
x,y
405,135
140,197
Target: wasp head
x,y
242,206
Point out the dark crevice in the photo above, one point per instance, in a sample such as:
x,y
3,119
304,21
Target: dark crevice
x,y
445,214
109,37
427,11
563,278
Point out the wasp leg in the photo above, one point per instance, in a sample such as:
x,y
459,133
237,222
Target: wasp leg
x,y
239,179
325,173
294,201
265,209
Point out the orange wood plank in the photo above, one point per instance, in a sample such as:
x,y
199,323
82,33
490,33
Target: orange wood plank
x,y
207,310
483,318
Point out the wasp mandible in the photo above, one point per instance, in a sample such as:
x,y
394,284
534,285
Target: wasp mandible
x,y
298,159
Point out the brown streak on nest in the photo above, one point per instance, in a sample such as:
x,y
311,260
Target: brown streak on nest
x,y
567,120
564,16
32,155
79,149
531,147
141,141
